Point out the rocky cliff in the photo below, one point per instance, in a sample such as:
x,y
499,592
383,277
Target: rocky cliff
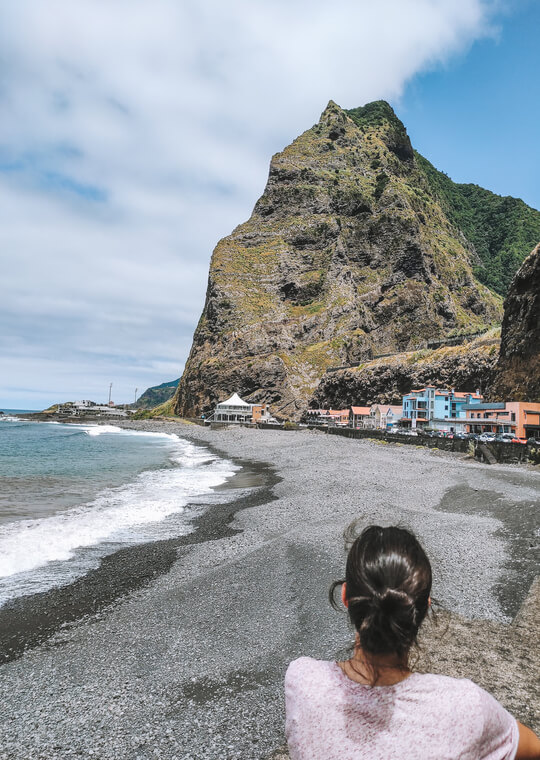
x,y
466,367
348,253
517,374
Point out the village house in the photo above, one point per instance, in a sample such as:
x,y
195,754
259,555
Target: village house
x,y
521,418
437,408
326,417
392,416
384,416
359,416
315,416
339,417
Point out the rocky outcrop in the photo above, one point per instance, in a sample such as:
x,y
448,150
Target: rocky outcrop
x,y
517,374
467,367
348,254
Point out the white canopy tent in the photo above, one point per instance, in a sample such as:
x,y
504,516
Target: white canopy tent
x,y
234,409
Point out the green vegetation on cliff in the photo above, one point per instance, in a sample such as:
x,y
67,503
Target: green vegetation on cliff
x,y
502,229
163,410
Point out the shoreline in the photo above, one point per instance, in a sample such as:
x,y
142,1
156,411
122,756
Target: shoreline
x,y
28,621
190,664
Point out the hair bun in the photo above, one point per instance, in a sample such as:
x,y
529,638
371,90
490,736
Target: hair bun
x,y
392,600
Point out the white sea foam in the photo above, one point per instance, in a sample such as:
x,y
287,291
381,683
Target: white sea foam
x,y
132,513
9,418
101,429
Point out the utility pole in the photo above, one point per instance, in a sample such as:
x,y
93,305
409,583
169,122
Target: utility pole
x,y
110,389
136,389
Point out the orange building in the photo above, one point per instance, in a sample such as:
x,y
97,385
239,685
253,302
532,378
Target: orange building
x,y
339,416
260,412
522,418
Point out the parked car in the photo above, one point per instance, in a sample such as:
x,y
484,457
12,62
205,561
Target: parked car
x,y
461,436
515,439
487,437
504,437
473,436
534,441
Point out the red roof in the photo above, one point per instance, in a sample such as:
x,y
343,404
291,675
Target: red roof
x,y
363,410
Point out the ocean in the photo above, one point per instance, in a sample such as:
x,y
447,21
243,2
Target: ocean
x,y
71,494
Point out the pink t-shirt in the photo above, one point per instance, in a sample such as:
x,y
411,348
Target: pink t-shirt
x,y
424,717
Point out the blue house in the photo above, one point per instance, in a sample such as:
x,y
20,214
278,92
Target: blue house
x,y
437,408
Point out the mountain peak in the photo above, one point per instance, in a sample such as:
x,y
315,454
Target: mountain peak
x,y
379,115
333,116
374,114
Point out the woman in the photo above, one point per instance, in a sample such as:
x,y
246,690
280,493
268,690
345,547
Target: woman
x,y
372,706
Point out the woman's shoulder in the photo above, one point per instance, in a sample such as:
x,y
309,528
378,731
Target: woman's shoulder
x,y
307,667
437,682
463,694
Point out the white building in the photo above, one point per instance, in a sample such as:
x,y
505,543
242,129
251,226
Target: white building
x,y
235,409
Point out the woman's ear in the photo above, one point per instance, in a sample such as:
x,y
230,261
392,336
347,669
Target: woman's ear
x,y
344,594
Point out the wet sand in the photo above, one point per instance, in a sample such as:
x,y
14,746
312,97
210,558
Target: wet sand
x,y
189,662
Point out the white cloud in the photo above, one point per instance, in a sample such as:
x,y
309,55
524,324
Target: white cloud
x,y
135,134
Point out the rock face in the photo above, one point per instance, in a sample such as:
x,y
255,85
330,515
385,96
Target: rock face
x,y
384,381
348,253
517,374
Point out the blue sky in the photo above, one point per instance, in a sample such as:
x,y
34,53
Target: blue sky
x,y
477,116
134,135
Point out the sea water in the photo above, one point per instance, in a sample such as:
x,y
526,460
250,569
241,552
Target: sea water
x,y
69,494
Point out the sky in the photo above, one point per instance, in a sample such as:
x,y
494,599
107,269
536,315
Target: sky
x,y
137,133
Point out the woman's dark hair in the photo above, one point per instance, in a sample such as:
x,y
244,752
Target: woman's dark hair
x,y
388,577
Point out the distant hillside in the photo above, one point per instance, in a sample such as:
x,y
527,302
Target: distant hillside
x,y
157,395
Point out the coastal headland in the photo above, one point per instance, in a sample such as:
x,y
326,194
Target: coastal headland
x,y
187,660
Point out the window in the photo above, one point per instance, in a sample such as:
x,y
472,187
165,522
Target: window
x,y
513,416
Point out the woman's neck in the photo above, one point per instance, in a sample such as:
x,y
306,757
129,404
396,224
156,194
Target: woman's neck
x,y
376,670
